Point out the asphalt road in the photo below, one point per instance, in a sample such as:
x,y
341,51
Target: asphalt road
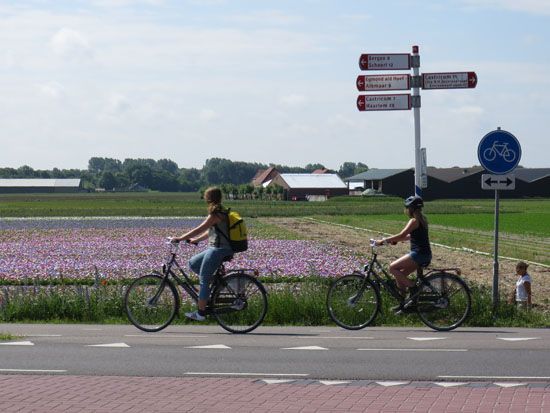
x,y
321,353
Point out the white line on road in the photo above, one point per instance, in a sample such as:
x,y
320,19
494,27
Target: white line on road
x,y
413,349
213,346
450,384
113,345
192,373
17,343
426,338
392,383
277,381
162,336
336,337
31,371
497,377
42,335
518,338
332,382
305,348
509,384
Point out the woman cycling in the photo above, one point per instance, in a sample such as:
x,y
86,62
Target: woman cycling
x,y
416,231
215,229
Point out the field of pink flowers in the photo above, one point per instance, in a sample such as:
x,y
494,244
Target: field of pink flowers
x,y
125,248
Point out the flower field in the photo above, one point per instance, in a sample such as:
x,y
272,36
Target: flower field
x,y
127,247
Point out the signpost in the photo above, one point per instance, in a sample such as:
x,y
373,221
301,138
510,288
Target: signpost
x,y
405,101
452,80
498,152
384,102
376,83
388,61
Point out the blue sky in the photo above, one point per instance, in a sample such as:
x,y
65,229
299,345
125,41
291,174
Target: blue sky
x,y
263,81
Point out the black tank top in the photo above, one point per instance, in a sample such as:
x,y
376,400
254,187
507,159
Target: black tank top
x,y
420,242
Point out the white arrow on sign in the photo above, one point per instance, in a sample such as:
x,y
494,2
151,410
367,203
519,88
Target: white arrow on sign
x,y
489,181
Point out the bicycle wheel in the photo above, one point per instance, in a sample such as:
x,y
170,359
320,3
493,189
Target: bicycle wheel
x,y
446,303
151,302
239,303
353,302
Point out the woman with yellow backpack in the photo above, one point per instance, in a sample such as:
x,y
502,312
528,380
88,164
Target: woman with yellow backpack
x,y
226,235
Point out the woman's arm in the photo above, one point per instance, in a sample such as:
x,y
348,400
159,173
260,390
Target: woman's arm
x,y
200,230
404,235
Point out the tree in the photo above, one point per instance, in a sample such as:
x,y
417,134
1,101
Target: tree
x,y
348,169
107,181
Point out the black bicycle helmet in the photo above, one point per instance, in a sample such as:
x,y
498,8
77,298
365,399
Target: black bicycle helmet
x,y
414,202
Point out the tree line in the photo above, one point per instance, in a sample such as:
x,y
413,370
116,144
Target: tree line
x,y
165,175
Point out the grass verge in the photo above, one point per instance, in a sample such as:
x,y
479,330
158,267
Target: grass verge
x,y
291,303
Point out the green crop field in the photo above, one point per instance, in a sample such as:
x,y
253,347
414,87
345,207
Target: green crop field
x,y
524,223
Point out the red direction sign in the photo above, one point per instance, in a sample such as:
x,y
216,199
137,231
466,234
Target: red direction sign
x,y
451,80
388,61
384,102
375,83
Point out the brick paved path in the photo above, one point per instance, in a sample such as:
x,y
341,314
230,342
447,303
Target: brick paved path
x,y
42,393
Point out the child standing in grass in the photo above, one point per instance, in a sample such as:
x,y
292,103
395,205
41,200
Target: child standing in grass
x,y
522,291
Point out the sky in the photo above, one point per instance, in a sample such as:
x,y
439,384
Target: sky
x,y
264,81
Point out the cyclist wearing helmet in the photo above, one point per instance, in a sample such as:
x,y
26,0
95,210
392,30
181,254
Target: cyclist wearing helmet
x,y
416,231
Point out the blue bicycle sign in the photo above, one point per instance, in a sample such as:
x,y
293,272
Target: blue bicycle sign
x,y
499,152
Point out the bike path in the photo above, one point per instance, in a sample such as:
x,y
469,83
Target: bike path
x,y
44,393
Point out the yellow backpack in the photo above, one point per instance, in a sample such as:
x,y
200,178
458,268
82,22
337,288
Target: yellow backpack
x,y
238,235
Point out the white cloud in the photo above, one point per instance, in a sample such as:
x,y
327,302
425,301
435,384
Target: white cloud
x,y
53,90
70,43
266,17
207,115
117,105
293,100
529,6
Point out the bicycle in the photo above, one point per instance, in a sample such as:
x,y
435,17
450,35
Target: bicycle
x,y
238,300
500,149
440,298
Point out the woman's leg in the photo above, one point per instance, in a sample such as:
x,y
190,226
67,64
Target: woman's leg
x,y
212,259
400,269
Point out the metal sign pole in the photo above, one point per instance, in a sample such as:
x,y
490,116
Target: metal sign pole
x,y
416,113
495,262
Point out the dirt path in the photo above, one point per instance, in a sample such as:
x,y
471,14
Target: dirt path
x,y
473,266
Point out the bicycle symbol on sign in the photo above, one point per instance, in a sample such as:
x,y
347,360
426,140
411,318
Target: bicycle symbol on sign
x,y
500,149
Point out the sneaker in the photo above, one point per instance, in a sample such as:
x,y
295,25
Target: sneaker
x,y
194,315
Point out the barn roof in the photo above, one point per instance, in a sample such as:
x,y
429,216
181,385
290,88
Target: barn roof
x,y
43,183
375,174
313,181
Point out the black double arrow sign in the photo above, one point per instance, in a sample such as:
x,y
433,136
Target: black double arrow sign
x,y
490,181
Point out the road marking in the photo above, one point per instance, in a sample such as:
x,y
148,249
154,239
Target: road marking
x,y
509,384
305,348
413,349
497,377
162,336
392,383
426,338
450,384
213,346
114,345
31,371
192,373
42,335
332,382
337,337
92,329
17,343
518,338
276,381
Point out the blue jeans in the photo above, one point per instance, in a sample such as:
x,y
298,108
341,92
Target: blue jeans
x,y
205,265
421,259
